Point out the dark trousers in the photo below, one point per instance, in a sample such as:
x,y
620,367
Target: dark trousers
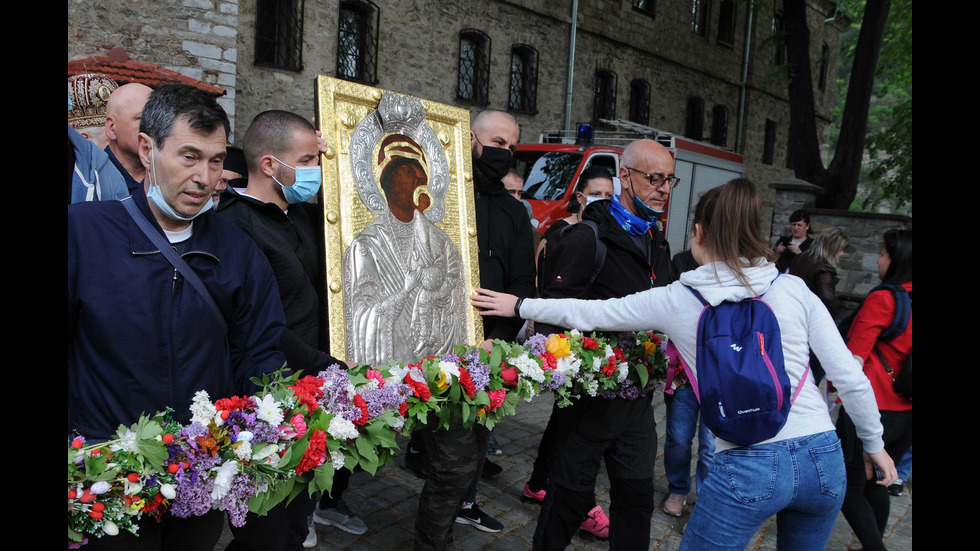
x,y
866,504
452,455
171,534
624,435
283,528
559,426
482,435
341,479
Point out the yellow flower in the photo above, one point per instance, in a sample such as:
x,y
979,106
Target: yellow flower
x,y
480,412
649,347
558,346
444,381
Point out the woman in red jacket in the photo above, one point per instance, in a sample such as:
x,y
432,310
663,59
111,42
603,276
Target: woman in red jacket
x,y
866,503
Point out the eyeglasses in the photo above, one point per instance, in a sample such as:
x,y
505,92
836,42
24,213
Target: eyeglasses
x,y
657,180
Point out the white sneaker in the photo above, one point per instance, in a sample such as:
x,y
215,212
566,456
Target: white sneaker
x,y
310,541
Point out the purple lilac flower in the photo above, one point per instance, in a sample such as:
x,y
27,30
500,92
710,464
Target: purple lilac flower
x,y
453,358
558,378
264,432
626,342
236,500
151,481
194,430
193,499
479,371
384,398
536,344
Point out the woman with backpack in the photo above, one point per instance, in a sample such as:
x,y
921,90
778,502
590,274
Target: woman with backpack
x,y
797,474
881,337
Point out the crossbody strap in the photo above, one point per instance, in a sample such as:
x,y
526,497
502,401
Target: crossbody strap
x,y
168,252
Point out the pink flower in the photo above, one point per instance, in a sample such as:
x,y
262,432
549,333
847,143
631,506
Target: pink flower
x,y
496,397
375,375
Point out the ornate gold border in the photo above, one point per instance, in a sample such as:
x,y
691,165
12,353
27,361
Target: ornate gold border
x,y
341,105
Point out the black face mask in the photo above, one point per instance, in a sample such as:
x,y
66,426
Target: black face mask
x,y
495,162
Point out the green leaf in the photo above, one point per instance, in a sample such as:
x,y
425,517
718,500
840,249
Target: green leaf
x,y
641,372
323,478
369,458
261,503
496,356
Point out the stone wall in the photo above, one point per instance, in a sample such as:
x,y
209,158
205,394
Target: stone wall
x,y
196,38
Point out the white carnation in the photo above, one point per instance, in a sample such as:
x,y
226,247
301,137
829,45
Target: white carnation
x,y
341,429
622,371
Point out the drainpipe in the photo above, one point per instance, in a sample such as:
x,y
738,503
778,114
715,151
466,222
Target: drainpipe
x,y
745,77
571,68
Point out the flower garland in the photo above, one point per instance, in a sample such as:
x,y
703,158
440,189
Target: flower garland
x,y
242,454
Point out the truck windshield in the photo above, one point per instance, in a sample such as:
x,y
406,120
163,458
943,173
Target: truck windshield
x,y
547,174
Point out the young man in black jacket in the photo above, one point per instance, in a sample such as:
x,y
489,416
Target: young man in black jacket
x,y
282,156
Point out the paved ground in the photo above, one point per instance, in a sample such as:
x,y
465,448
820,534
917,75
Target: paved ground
x,y
388,502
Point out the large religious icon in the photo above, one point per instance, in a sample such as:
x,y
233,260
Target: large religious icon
x,y
399,224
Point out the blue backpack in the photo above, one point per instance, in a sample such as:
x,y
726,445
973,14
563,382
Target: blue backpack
x,y
741,382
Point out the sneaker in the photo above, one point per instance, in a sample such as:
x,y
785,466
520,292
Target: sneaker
x,y
596,525
475,517
340,516
528,495
490,469
418,463
492,447
674,505
310,541
897,488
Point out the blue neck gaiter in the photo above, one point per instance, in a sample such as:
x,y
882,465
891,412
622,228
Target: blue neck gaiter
x,y
631,223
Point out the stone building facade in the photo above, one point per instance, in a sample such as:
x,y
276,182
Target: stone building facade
x,y
659,62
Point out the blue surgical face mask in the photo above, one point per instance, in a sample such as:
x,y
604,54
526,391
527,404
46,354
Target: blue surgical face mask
x,y
643,210
155,195
305,186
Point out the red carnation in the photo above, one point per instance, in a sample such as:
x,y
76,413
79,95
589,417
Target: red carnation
x,y
467,382
619,354
362,405
548,361
508,374
610,367
589,343
496,398
308,391
419,389
315,453
403,409
234,403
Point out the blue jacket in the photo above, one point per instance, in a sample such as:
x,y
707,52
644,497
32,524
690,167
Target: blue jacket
x,y
95,178
140,338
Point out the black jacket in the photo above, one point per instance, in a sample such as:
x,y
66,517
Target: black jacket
x,y
506,250
626,270
293,246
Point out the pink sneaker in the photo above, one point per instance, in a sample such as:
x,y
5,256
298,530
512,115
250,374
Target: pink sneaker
x,y
596,525
528,495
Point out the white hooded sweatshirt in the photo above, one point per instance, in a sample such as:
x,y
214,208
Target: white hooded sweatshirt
x,y
804,323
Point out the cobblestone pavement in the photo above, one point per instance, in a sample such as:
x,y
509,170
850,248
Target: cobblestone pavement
x,y
388,502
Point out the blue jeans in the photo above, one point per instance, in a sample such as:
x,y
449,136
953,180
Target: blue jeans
x,y
905,466
682,420
802,481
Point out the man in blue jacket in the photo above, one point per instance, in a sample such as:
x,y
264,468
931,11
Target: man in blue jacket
x,y
141,337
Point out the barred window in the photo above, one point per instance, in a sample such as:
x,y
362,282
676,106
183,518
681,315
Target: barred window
x,y
357,42
604,97
778,39
726,22
694,119
769,143
279,34
474,67
699,17
640,101
645,6
719,125
523,79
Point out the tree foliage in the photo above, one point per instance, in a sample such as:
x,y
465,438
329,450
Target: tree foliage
x,y
840,178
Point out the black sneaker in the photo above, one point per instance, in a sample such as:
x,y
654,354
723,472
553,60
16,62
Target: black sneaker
x,y
490,469
896,489
475,517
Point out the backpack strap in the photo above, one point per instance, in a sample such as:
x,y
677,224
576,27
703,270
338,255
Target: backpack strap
x,y
600,247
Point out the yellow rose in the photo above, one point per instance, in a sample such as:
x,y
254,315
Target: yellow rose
x,y
649,347
558,346
480,412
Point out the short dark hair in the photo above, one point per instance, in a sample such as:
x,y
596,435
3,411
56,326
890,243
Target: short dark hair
x,y
172,101
898,245
800,214
593,172
271,133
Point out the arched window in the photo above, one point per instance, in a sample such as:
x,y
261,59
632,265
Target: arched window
x,y
357,42
604,97
640,101
694,119
474,67
523,79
